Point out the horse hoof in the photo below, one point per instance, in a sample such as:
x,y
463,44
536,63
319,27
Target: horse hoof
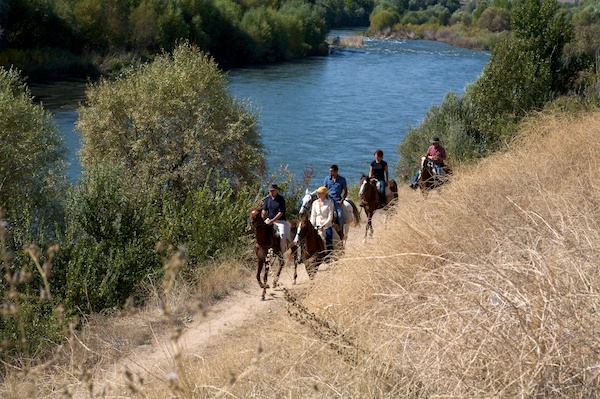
x,y
262,297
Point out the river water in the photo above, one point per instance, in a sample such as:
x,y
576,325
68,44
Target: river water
x,y
319,111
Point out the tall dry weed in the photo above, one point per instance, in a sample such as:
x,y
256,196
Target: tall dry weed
x,y
488,287
485,288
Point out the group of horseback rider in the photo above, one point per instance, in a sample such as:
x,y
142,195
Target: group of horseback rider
x,y
333,193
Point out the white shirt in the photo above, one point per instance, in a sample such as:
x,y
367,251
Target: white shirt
x,y
321,214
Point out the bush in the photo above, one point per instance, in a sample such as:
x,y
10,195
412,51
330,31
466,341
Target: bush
x,y
170,122
32,166
108,246
383,19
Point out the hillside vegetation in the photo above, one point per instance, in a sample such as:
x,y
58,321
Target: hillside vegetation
x,y
485,288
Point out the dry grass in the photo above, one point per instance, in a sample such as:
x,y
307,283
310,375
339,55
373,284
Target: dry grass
x,y
348,41
485,288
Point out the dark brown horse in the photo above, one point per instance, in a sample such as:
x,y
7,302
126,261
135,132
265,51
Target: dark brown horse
x,y
313,248
369,196
266,240
428,179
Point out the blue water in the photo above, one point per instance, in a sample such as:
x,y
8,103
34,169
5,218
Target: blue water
x,y
337,109
340,109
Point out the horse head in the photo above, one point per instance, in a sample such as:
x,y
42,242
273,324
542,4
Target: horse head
x,y
255,217
368,189
307,201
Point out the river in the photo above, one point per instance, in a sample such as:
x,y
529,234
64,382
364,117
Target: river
x,y
319,111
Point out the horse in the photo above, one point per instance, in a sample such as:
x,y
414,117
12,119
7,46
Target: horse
x,y
391,192
349,209
266,240
369,196
428,178
313,248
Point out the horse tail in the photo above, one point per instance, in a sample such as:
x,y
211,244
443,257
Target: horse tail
x,y
355,213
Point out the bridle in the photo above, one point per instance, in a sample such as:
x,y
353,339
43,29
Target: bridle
x,y
306,207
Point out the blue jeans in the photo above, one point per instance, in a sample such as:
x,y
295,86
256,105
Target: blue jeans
x,y
340,213
382,192
329,238
438,168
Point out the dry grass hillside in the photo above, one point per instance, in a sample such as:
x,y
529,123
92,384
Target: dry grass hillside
x,y
485,288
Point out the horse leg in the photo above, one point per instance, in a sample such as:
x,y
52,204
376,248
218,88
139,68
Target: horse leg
x,y
259,267
311,269
281,264
295,271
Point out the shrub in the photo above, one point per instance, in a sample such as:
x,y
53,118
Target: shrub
x,y
169,122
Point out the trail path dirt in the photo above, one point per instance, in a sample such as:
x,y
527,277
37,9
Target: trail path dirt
x,y
209,330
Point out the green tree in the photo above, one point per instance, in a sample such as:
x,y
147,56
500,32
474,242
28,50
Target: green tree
x,y
169,122
32,165
383,19
494,19
525,70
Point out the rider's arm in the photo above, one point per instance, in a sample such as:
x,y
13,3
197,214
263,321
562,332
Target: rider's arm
x,y
276,217
345,194
371,171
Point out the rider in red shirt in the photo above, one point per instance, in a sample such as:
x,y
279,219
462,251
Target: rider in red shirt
x,y
437,154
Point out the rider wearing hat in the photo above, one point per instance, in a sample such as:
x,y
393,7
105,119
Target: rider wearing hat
x,y
274,210
437,154
321,216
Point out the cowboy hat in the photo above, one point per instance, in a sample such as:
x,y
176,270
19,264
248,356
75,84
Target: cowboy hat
x,y
323,190
435,140
273,187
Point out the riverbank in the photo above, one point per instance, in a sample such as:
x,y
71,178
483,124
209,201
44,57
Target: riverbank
x,y
455,35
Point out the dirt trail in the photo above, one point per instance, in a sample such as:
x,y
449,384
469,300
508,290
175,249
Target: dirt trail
x,y
229,316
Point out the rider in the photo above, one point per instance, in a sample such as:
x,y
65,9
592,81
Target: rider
x,y
274,211
437,155
338,191
379,171
321,216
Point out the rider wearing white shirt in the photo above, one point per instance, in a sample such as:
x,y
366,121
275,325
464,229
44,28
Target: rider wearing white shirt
x,y
321,216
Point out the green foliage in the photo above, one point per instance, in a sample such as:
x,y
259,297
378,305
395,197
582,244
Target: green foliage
x,y
525,70
383,19
494,19
516,80
170,122
108,246
211,221
31,171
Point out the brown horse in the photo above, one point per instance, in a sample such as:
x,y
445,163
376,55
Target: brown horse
x,y
428,179
391,193
369,196
313,248
265,240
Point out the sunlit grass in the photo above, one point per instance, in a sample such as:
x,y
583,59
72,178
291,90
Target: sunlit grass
x,y
484,288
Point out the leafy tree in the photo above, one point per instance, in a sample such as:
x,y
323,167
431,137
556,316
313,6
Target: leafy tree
x,y
32,165
383,19
494,19
525,70
169,122
144,27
